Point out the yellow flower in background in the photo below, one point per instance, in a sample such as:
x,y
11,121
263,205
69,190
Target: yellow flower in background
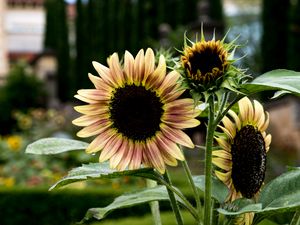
x,y
14,142
135,113
244,145
7,181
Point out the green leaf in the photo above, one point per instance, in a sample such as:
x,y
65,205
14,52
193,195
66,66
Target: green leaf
x,y
282,193
280,79
240,206
219,190
101,170
158,193
50,146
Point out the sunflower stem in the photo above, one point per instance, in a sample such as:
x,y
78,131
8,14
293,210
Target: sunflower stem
x,y
174,204
192,183
296,218
154,205
208,162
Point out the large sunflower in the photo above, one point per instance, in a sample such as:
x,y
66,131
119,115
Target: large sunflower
x,y
135,113
244,144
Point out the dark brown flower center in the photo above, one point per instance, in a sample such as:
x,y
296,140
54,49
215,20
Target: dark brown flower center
x,y
248,161
136,112
205,61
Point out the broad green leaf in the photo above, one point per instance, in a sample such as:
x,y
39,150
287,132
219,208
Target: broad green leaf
x,y
158,193
240,206
101,170
286,80
50,146
282,193
219,190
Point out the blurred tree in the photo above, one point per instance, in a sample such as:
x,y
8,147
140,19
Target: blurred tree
x,y
294,39
57,38
82,59
275,34
21,92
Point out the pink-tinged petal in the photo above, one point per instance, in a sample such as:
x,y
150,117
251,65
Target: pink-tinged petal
x,y
95,128
155,156
149,62
177,136
136,161
115,69
119,155
189,114
180,105
169,146
128,67
156,78
169,81
94,109
85,120
94,94
171,96
99,83
111,147
183,124
100,141
105,73
127,156
139,67
87,100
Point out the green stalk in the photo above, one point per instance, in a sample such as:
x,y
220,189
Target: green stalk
x,y
208,163
174,204
154,205
296,218
192,183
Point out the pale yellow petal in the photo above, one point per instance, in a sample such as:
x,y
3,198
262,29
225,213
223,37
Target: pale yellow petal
x,y
85,120
229,126
105,73
149,63
139,67
222,163
87,100
223,143
258,112
235,118
128,67
222,154
268,140
116,70
156,78
94,94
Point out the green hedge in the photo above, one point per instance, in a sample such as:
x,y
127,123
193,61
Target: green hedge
x,y
63,207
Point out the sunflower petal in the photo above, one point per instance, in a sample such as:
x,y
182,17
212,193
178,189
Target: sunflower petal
x,y
177,136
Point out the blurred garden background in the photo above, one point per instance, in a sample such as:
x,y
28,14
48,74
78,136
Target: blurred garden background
x,y
46,50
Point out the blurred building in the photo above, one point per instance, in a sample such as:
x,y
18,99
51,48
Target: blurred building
x,y
22,25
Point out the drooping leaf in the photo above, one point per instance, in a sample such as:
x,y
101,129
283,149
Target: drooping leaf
x,y
101,170
219,190
286,80
240,206
50,146
158,193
